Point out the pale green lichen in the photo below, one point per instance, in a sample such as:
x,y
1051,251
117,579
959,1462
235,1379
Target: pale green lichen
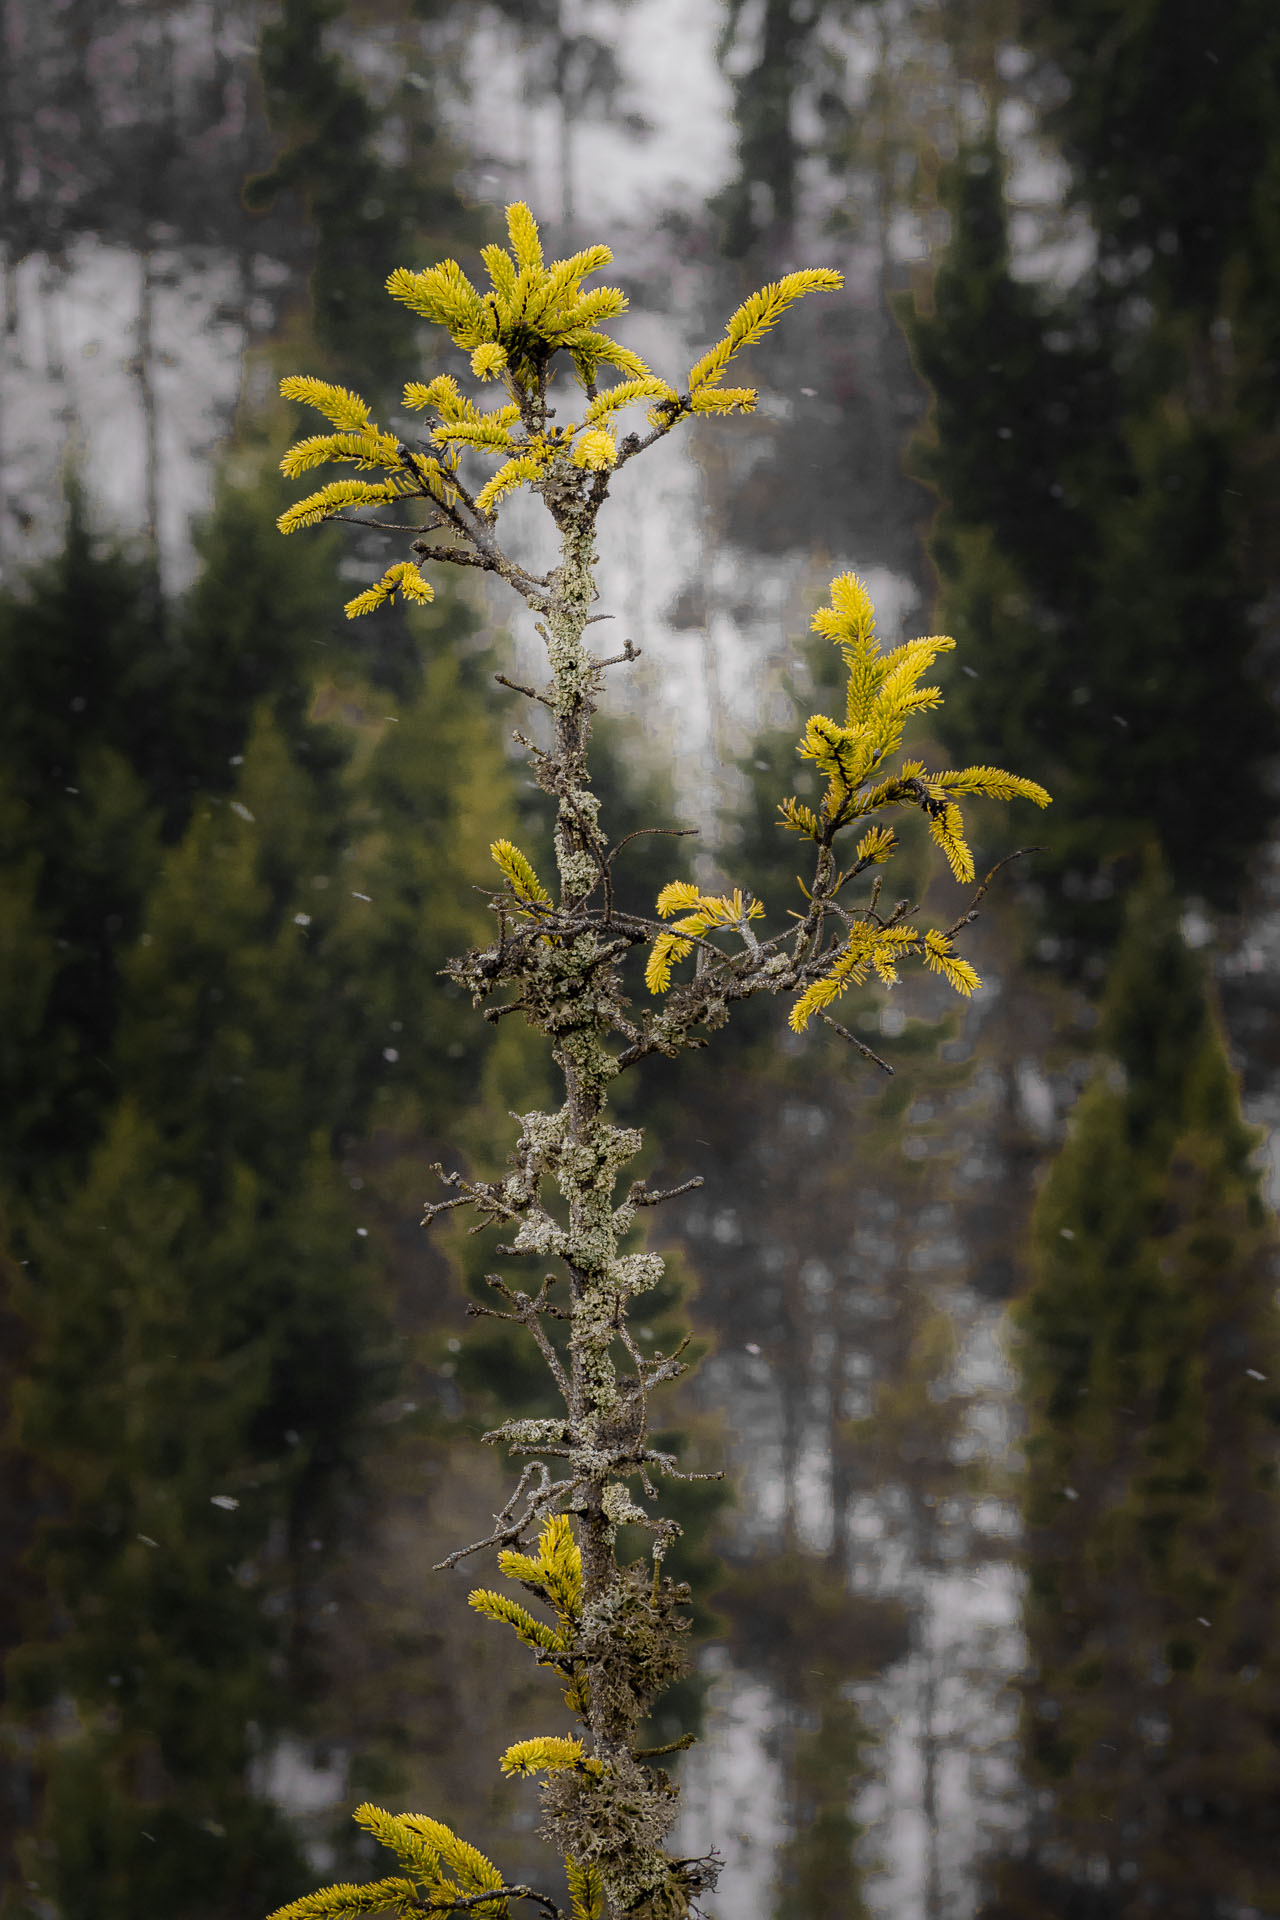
x,y
541,1236
529,1433
620,1508
636,1273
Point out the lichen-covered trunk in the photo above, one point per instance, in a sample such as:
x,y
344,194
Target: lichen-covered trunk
x,y
629,1635
585,1063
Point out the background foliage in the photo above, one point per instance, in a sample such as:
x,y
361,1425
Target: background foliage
x,y
1048,415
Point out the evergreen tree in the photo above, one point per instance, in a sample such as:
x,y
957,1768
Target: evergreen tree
x,y
364,211
762,196
1150,1354
794,1620
82,654
117,711
1090,555
188,1339
198,1369
1168,119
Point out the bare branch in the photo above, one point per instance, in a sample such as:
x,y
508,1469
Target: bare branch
x,y
673,833
530,693
666,1463
384,526
681,1745
465,1902
867,1052
629,652
633,444
508,1532
497,1013
641,1196
432,1207
527,1312
458,556
1019,853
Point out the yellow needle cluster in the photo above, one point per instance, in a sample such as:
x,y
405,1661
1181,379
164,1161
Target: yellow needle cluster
x,y
518,872
440,1868
701,913
554,1576
512,330
549,1753
882,693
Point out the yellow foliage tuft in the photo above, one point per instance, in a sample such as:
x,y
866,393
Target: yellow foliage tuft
x,y
625,394
345,409
471,1870
665,951
850,620
799,819
940,959
883,692
443,393
591,350
549,1754
602,303
488,433
519,873
395,1832
586,1890
534,1633
331,500
372,448
876,847
723,400
947,829
334,1903
595,450
444,295
869,948
678,896
526,467
402,578
561,283
755,316
526,242
488,360
993,782
702,912
555,1571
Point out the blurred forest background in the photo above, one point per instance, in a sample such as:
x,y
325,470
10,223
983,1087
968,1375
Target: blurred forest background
x,y
988,1616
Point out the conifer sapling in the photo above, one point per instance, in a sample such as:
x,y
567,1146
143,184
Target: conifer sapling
x,y
610,1633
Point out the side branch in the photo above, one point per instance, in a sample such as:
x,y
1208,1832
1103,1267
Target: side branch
x,y
467,1902
527,1312
459,556
867,1052
673,833
530,693
641,1196
971,911
508,1531
629,652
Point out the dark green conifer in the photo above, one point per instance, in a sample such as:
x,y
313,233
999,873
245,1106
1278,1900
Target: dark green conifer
x,y
364,211
1150,1359
200,1321
82,657
1092,556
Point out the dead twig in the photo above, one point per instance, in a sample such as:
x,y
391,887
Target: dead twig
x,y
868,1053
